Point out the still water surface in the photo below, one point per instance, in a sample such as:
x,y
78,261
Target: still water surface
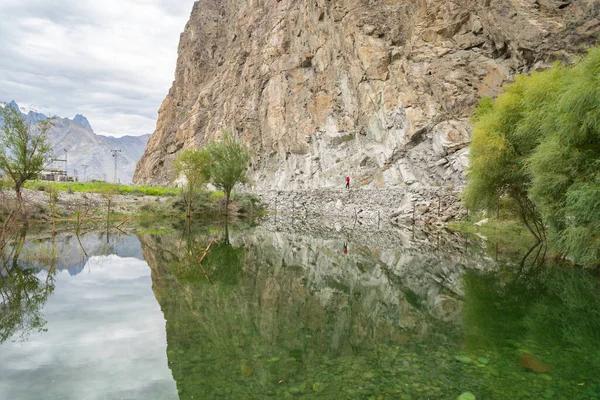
x,y
291,311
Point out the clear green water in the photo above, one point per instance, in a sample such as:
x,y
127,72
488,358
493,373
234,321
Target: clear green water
x,y
293,312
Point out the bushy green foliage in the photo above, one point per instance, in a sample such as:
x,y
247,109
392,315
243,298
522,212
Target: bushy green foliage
x,y
209,203
5,184
229,163
566,166
24,148
194,165
247,204
536,150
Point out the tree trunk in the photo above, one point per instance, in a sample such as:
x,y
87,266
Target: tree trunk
x,y
19,196
226,232
227,195
20,206
107,219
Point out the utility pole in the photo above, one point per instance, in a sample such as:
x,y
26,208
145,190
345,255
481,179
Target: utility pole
x,y
115,154
66,152
84,167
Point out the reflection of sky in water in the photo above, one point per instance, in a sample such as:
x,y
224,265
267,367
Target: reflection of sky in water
x,y
106,339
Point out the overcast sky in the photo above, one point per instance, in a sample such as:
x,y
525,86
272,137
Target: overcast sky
x,y
110,60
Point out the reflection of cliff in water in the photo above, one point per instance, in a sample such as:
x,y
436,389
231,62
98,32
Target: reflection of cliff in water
x,y
299,304
388,266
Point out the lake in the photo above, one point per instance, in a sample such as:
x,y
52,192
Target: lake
x,y
286,309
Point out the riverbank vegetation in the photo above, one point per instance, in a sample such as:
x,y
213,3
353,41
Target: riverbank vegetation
x,y
25,151
100,187
24,148
55,202
535,154
223,163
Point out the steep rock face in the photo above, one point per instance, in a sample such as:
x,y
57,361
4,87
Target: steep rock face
x,y
377,89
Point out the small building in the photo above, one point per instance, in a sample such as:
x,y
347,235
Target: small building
x,y
57,175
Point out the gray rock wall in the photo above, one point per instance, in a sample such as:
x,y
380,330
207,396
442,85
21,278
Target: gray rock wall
x,y
378,89
402,205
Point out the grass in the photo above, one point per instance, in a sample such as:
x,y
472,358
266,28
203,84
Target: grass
x,y
102,187
208,205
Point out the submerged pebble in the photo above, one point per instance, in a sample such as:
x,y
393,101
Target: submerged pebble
x,y
463,359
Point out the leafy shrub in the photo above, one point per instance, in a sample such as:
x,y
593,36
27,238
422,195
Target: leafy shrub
x,y
538,145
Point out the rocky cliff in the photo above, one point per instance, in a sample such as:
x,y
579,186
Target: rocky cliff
x,y
377,89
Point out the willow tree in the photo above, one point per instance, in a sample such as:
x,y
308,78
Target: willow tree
x,y
194,165
229,163
506,132
565,167
536,148
24,148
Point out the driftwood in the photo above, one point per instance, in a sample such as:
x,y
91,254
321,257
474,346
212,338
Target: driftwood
x,y
202,259
81,245
123,223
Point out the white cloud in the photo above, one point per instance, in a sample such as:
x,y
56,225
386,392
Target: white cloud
x,y
112,61
106,338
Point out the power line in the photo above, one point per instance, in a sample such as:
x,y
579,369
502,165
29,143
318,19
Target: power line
x,y
115,154
84,167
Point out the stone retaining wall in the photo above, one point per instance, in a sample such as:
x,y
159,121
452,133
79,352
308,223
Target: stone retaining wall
x,y
424,206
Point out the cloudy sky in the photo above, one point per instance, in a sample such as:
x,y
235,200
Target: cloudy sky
x,y
105,339
111,60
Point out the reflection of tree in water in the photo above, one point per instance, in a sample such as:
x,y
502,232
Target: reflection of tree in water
x,y
267,324
551,310
258,318
23,290
22,297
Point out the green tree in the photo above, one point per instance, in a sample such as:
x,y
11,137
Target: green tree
x,y
23,292
194,165
536,149
229,162
565,167
506,132
24,148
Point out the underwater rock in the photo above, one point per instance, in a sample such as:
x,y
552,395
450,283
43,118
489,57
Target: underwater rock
x,y
530,362
483,360
247,370
318,387
466,396
294,390
463,359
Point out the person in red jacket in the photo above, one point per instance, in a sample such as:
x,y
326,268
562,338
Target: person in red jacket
x,y
348,182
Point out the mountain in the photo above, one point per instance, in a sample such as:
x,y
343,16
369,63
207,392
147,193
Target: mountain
x,y
84,147
381,90
83,121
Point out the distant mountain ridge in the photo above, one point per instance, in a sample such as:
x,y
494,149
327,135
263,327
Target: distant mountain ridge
x,y
83,121
87,153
